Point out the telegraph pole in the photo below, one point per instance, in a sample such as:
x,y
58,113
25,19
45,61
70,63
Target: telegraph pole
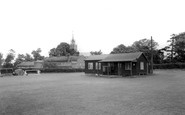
x,y
151,55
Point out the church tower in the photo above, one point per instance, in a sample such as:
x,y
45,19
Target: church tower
x,y
73,44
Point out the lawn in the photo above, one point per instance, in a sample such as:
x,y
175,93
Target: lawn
x,y
77,94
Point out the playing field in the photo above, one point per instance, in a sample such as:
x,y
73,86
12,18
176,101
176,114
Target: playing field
x,y
76,94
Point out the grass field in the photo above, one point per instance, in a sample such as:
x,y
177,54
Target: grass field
x,y
76,94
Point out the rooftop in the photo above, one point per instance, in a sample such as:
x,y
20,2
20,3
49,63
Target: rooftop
x,y
97,57
122,57
63,58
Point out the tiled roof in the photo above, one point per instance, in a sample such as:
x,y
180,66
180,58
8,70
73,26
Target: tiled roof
x,y
26,64
122,57
62,59
97,57
31,64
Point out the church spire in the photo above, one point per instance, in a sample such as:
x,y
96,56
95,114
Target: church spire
x,y
73,41
73,44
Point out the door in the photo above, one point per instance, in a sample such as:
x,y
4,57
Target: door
x,y
119,68
134,68
106,70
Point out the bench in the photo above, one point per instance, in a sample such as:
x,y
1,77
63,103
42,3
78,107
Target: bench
x,y
31,72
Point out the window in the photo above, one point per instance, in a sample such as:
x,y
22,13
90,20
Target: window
x,y
90,66
96,65
127,66
99,66
141,65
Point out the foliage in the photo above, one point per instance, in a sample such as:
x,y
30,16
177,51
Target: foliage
x,y
48,65
36,54
55,70
7,71
28,57
180,50
158,56
74,53
9,58
1,59
19,72
20,58
53,52
169,66
96,52
144,45
170,49
176,49
123,49
63,49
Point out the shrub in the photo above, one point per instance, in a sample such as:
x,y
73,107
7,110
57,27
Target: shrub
x,y
169,66
19,72
54,70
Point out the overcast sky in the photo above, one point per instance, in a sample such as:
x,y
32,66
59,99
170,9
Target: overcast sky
x,y
26,25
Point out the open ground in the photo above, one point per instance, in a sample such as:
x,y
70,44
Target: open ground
x,y
77,94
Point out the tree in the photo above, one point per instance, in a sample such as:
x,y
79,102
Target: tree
x,y
20,58
53,52
158,56
170,48
63,49
123,49
73,52
180,51
179,47
47,65
144,45
96,52
176,49
1,59
28,57
36,54
9,58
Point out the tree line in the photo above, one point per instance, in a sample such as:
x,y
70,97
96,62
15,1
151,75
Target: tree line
x,y
63,49
174,52
10,61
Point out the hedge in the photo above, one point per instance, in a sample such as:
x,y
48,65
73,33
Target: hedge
x,y
6,70
169,66
54,70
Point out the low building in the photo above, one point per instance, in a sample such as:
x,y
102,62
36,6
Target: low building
x,y
124,64
67,62
31,65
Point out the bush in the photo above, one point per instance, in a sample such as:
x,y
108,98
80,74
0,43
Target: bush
x,y
54,70
6,70
19,72
169,66
49,65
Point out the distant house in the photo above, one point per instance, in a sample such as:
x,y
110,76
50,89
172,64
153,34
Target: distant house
x,y
34,65
124,64
67,62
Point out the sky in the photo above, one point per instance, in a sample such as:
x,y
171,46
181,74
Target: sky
x,y
26,25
